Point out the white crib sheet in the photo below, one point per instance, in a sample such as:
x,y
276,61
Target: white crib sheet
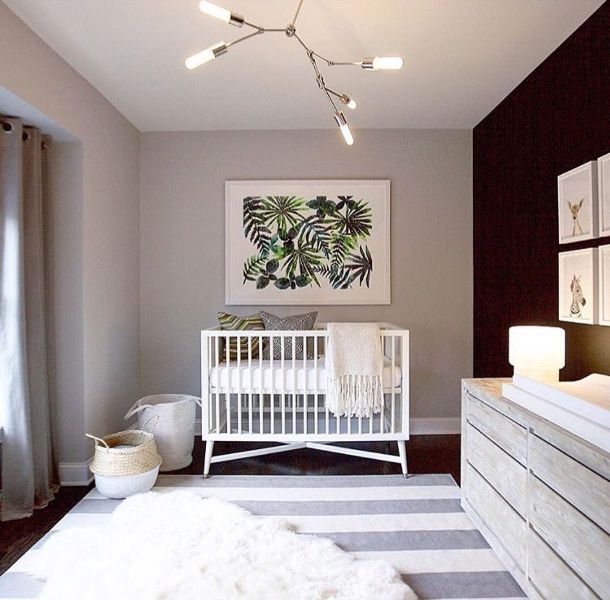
x,y
286,379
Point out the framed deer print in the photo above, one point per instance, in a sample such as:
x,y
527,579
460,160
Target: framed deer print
x,y
603,178
578,286
604,285
307,242
577,202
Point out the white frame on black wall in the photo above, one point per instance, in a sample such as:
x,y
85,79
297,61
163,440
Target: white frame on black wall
x,y
577,203
577,289
604,285
603,178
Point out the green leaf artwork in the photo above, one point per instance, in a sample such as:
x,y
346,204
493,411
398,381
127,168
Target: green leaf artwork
x,y
298,242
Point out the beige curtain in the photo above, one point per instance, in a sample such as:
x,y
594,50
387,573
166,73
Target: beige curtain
x,y
28,475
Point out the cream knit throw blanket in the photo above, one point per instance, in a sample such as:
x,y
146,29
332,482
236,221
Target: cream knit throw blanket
x,y
354,367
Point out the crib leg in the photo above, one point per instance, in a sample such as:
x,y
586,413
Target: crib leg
x,y
209,449
402,450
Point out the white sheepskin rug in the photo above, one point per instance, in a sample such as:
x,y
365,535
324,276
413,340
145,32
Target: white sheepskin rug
x,y
182,546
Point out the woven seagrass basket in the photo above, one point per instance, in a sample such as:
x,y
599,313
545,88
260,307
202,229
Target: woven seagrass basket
x,y
124,453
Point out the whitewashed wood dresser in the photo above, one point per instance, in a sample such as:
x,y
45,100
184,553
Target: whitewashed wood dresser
x,y
539,494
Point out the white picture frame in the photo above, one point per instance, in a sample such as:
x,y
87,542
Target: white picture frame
x,y
577,289
604,285
577,203
603,193
288,284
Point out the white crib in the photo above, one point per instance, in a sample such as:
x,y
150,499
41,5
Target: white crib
x,y
257,398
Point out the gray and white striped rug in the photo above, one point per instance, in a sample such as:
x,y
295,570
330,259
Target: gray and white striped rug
x,y
416,524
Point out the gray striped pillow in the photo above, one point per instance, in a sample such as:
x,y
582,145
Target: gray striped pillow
x,y
229,322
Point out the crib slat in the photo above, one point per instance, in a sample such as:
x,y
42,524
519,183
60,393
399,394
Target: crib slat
x,y
206,400
239,399
272,395
381,414
371,419
404,382
326,411
250,383
338,420
261,395
349,421
315,382
228,393
216,363
305,384
393,417
283,375
294,386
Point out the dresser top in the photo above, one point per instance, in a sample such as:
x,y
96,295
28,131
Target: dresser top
x,y
486,386
533,410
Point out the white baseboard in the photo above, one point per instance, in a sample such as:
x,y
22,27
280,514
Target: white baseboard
x,y
435,426
75,473
419,426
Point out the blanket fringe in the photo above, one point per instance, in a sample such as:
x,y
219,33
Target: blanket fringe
x,y
355,395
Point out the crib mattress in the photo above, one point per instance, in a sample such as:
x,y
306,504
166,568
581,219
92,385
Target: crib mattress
x,y
303,378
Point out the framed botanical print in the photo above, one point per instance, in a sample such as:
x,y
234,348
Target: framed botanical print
x,y
307,242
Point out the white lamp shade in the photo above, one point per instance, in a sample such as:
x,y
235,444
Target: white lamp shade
x,y
534,349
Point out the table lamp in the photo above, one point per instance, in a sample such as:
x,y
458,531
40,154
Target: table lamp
x,y
537,352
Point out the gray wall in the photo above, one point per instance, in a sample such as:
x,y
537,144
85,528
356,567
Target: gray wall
x,y
96,315
182,243
64,253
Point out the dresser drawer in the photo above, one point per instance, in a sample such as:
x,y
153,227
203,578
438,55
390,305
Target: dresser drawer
x,y
583,488
503,522
510,436
503,472
592,457
579,542
551,577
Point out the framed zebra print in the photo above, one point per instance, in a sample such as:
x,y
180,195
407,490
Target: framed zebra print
x,y
578,280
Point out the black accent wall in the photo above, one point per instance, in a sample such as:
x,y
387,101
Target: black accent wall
x,y
556,119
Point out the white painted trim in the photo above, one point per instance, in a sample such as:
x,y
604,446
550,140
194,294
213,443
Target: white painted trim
x,y
75,473
419,426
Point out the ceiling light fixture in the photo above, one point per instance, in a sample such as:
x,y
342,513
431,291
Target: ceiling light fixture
x,y
376,63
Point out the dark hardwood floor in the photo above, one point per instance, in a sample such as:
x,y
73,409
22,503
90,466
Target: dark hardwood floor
x,y
426,454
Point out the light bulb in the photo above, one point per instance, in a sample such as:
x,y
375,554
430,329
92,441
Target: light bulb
x,y
192,62
387,63
347,134
218,12
344,127
349,102
213,10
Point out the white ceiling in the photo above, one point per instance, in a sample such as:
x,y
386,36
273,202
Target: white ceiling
x,y
462,57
